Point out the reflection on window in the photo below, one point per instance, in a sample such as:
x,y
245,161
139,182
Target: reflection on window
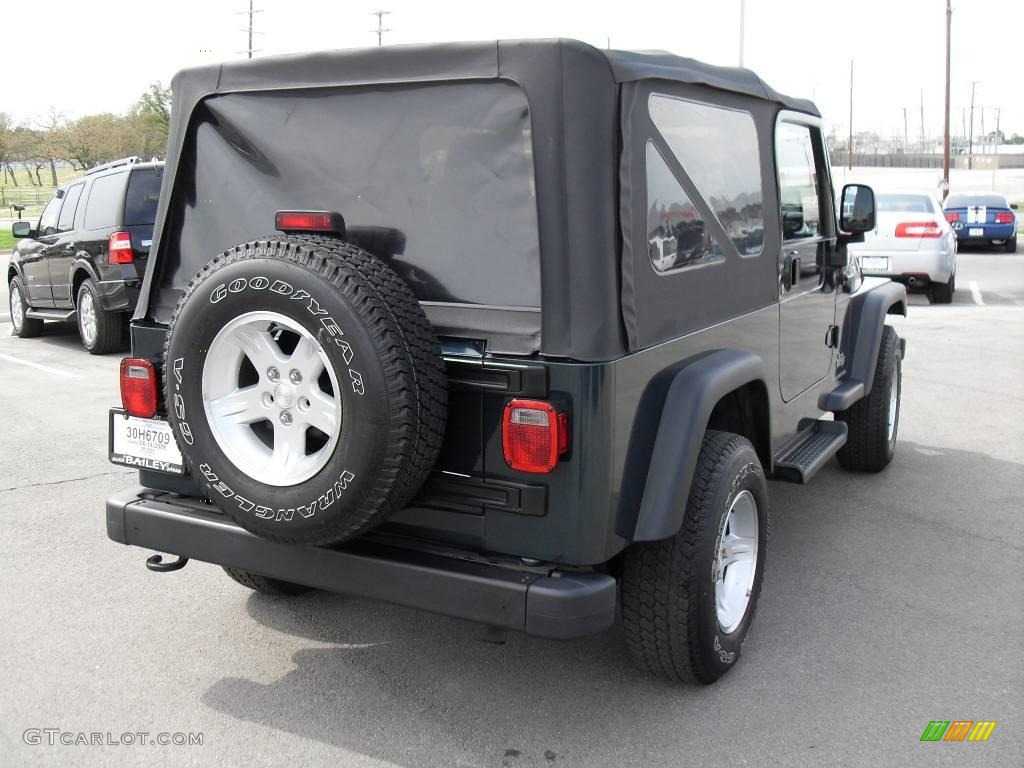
x,y
798,182
676,235
717,148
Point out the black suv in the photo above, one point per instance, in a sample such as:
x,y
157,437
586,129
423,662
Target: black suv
x,y
87,254
537,325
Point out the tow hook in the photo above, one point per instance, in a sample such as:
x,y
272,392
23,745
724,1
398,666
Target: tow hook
x,y
156,563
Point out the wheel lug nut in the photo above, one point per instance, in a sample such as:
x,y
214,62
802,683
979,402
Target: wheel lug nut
x,y
286,418
273,374
295,376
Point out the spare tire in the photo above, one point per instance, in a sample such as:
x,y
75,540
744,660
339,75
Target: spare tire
x,y
305,387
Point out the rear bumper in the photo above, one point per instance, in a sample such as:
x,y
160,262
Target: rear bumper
x,y
991,232
936,266
537,601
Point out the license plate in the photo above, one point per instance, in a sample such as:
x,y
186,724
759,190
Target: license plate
x,y
144,443
976,232
875,263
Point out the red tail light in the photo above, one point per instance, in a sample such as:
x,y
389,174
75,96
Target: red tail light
x,y
952,216
918,229
309,221
119,249
138,387
533,435
1004,218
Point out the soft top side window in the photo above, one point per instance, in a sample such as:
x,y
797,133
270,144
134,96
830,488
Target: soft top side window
x,y
717,148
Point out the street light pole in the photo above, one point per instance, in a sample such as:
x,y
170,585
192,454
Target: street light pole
x,y
743,25
945,138
849,150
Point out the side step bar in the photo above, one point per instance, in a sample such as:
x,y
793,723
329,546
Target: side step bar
x,y
58,315
815,446
538,601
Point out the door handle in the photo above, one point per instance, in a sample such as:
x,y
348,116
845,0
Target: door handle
x,y
791,269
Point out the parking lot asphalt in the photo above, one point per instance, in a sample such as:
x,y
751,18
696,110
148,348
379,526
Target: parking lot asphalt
x,y
889,601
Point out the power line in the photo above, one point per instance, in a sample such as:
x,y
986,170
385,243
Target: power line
x,y
380,25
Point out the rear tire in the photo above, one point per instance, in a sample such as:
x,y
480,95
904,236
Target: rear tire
x,y
676,593
264,584
942,293
1011,245
21,326
101,331
873,421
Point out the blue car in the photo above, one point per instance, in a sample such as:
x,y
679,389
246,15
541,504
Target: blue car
x,y
983,217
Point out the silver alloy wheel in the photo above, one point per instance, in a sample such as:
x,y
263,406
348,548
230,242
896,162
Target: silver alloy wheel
x,y
16,309
736,562
87,318
894,397
266,408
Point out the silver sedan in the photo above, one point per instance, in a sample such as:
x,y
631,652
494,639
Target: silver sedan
x,y
911,243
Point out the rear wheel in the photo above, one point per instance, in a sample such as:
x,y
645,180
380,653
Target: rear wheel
x,y
689,601
21,326
942,293
1011,245
264,584
873,421
101,331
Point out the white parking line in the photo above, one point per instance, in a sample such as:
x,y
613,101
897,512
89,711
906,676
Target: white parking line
x,y
976,294
48,369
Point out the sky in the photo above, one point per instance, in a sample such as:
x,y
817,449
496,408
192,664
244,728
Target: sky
x,y
800,47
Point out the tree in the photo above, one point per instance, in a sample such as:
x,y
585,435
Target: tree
x,y
7,146
95,139
152,114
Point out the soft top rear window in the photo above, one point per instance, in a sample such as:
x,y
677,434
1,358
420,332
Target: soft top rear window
x,y
971,201
436,179
894,203
143,194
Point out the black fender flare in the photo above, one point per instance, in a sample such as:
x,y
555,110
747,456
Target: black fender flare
x,y
862,336
691,398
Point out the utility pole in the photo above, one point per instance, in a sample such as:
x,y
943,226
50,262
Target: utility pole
x,y
945,137
380,25
251,12
970,136
922,121
906,132
743,25
849,153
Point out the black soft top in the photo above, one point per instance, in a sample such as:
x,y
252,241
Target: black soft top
x,y
573,90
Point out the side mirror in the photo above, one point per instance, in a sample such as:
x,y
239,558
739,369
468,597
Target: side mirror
x,y
1014,206
857,209
21,229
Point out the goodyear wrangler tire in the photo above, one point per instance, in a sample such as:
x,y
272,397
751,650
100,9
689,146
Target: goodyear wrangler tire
x,y
689,601
305,388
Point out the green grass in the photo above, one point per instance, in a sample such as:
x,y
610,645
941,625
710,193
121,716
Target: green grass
x,y
64,175
6,240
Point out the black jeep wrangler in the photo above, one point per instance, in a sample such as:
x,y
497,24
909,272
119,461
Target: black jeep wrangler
x,y
534,325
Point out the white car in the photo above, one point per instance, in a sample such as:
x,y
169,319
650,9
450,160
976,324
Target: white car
x,y
912,243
